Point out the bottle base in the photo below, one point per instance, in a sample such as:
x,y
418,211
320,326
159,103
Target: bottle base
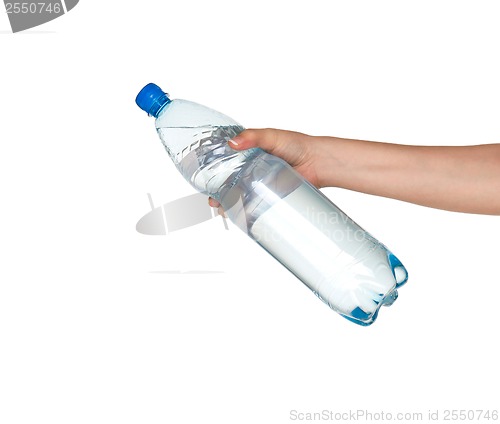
x,y
360,317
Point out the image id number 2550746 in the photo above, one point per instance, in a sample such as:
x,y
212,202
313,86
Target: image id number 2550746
x,y
33,8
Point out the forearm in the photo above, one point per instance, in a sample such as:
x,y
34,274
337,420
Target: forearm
x,y
465,179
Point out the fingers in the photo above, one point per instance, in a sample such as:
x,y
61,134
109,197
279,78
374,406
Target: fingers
x,y
213,203
266,139
291,146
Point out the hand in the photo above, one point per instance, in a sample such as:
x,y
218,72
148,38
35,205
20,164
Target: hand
x,y
293,147
455,178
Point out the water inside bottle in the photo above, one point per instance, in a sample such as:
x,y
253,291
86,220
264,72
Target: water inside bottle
x,y
204,157
340,262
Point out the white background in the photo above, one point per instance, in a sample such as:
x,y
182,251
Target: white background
x,y
90,331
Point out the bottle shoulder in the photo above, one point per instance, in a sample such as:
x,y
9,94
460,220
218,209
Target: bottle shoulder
x,y
181,113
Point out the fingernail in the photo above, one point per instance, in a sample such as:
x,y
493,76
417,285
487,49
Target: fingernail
x,y
234,141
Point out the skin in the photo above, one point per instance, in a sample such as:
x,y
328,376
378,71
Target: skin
x,y
455,178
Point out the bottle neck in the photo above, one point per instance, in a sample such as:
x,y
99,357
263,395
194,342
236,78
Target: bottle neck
x,y
159,105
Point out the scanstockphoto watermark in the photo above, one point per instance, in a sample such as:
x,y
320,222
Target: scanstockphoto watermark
x,y
477,415
192,210
333,224
336,234
354,415
176,215
24,15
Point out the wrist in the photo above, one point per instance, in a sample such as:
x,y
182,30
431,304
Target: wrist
x,y
327,160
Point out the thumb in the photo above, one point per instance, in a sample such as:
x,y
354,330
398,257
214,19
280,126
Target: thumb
x,y
266,139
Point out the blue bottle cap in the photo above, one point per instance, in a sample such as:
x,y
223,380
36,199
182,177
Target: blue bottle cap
x,y
151,99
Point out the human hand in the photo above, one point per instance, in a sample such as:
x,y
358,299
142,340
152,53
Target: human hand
x,y
455,178
293,147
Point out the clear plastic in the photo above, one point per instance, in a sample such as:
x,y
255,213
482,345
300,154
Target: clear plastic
x,y
341,263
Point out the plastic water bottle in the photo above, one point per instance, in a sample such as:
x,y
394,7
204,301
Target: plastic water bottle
x,y
264,196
